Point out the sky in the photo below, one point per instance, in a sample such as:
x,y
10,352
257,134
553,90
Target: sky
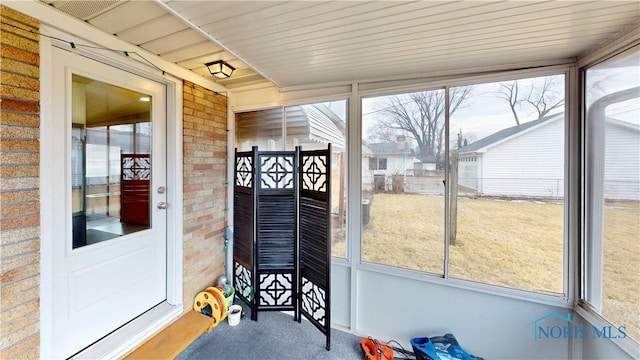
x,y
484,113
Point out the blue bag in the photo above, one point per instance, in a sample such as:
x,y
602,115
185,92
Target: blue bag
x,y
440,348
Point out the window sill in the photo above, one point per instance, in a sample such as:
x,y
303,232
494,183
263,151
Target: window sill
x,y
558,300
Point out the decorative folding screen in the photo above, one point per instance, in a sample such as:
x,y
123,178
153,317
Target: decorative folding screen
x,y
281,248
276,231
314,238
243,218
135,180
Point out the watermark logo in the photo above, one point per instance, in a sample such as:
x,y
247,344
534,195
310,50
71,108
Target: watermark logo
x,y
556,326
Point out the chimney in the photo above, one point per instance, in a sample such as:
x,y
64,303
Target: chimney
x,y
400,141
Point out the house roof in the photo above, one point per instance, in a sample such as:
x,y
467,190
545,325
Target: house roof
x,y
314,122
506,133
518,129
389,148
324,125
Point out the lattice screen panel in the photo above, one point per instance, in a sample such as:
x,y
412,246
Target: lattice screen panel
x,y
282,233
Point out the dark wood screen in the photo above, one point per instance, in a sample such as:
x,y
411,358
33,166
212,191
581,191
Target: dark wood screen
x,y
135,181
276,231
243,219
314,238
282,233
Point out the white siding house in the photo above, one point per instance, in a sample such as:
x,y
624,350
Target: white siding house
x,y
523,161
387,160
622,162
528,161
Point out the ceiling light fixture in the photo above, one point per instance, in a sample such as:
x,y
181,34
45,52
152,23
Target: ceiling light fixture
x,y
220,69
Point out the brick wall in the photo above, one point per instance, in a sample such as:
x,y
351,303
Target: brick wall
x,y
205,156
19,186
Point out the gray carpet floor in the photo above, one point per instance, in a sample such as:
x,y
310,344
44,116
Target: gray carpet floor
x,y
274,336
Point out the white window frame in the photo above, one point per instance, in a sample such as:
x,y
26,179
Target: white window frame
x,y
564,299
589,304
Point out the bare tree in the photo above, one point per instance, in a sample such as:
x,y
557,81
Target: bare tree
x,y
420,116
509,92
542,97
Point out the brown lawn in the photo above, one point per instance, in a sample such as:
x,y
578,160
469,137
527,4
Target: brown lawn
x,y
517,244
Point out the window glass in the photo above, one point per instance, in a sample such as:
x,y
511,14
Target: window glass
x,y
261,128
507,183
505,147
110,158
402,180
311,126
612,120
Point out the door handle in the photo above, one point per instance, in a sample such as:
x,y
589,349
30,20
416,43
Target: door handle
x,y
162,205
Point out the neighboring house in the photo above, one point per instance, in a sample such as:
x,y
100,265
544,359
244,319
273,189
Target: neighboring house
x,y
312,126
519,161
527,160
367,177
388,159
622,146
391,158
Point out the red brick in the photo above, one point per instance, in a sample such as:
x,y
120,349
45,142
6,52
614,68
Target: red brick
x,y
26,345
20,221
25,145
19,273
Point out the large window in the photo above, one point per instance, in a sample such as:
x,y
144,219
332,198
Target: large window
x,y
311,126
403,215
502,154
612,151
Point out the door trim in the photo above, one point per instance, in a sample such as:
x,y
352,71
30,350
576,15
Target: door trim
x,y
117,342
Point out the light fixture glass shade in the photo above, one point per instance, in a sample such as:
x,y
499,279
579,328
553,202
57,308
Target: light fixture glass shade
x,y
220,69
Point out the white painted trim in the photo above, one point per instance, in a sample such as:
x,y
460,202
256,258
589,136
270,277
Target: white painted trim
x,y
433,83
557,300
573,184
133,334
230,181
447,186
144,325
69,24
627,344
622,43
46,204
354,197
175,217
384,82
293,102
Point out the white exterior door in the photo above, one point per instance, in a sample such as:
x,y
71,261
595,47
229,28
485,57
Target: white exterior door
x,y
109,226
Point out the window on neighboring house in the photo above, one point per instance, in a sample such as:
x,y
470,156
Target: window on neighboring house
x,y
376,163
505,146
311,126
382,163
612,196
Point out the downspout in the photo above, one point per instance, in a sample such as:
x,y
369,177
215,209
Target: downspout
x,y
229,184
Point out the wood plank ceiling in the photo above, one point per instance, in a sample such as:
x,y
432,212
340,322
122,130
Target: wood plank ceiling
x,y
310,43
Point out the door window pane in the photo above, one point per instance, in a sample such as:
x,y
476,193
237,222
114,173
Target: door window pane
x,y
612,119
111,161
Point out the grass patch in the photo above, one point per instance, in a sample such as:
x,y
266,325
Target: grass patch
x,y
516,244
